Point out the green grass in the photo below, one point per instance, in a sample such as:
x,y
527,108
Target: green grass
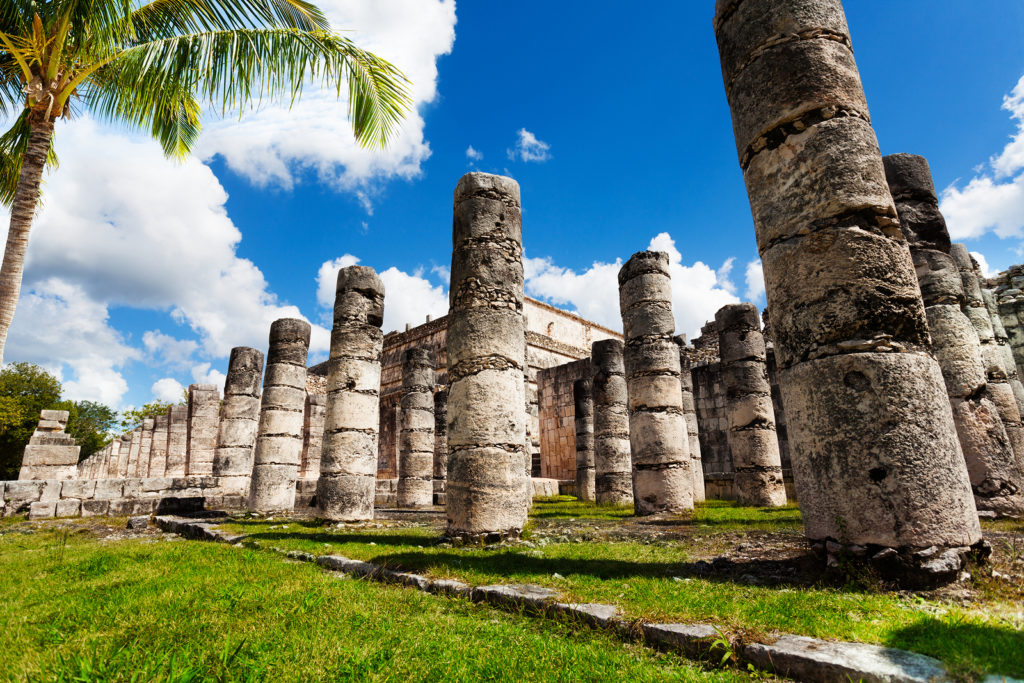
x,y
79,609
658,580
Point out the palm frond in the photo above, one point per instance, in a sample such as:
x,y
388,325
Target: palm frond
x,y
164,18
233,70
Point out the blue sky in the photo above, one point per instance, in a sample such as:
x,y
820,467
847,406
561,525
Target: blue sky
x,y
143,273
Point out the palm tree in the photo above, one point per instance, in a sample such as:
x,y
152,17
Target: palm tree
x,y
153,65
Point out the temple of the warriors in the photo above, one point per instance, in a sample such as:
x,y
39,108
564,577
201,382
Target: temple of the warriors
x,y
880,389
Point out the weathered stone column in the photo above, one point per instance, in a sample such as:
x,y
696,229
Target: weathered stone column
x,y
876,459
50,453
583,401
203,422
348,464
158,451
131,463
686,358
991,464
440,444
118,452
177,441
757,464
239,418
416,438
486,497
313,419
145,448
1003,340
997,372
613,466
279,434
662,480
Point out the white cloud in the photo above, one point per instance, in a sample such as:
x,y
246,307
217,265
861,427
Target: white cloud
x,y
166,350
168,389
986,271
327,279
992,201
274,145
474,154
443,273
696,291
754,277
408,298
204,373
529,148
59,327
724,275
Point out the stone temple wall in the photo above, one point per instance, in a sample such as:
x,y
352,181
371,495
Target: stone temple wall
x,y
557,418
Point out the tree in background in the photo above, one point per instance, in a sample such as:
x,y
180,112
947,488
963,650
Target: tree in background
x,y
25,391
153,65
130,419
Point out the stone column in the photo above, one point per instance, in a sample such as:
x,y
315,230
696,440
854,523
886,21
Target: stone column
x,y
991,464
119,450
416,438
486,496
997,372
440,444
239,418
50,453
279,434
686,358
158,451
348,464
613,466
847,317
177,441
131,463
145,448
313,435
203,421
583,402
1003,340
662,480
756,462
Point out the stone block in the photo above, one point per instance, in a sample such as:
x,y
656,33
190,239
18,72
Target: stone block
x,y
23,491
95,508
80,488
42,510
108,489
68,507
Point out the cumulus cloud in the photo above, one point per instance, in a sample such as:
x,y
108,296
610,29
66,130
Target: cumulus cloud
x,y
993,200
277,144
474,154
754,278
408,298
697,292
529,148
60,327
168,389
167,350
205,373
986,270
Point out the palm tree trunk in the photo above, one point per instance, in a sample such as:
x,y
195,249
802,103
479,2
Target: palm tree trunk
x,y
23,209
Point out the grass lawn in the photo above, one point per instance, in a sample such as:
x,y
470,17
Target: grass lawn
x,y
659,578
77,607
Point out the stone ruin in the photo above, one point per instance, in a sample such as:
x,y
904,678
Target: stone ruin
x,y
885,395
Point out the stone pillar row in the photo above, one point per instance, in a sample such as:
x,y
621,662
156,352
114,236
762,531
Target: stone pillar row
x,y
279,433
662,480
613,469
876,458
348,461
239,419
487,492
583,403
757,464
991,465
416,438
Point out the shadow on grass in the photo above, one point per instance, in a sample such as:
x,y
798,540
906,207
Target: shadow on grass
x,y
342,538
770,573
969,649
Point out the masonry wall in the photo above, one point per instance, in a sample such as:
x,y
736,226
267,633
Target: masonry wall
x,y
558,418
